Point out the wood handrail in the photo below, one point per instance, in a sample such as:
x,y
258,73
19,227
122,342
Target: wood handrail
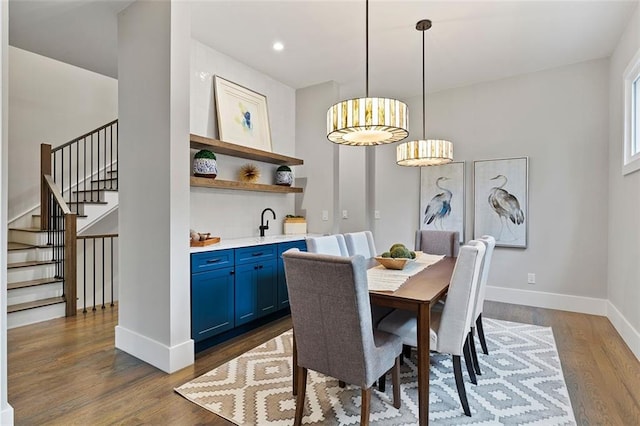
x,y
55,191
88,237
84,136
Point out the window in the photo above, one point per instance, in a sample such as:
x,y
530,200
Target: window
x,y
632,116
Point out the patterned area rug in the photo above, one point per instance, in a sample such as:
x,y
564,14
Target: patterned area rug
x,y
521,383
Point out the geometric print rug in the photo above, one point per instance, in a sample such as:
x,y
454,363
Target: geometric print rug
x,y
521,384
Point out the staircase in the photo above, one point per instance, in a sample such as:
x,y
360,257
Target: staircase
x,y
82,172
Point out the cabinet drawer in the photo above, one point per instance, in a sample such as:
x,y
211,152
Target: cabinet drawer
x,y
300,244
255,254
210,260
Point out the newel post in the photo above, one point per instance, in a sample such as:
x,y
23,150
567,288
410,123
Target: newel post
x,y
70,264
45,169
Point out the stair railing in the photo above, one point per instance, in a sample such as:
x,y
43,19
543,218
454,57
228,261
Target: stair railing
x,y
60,223
87,163
99,254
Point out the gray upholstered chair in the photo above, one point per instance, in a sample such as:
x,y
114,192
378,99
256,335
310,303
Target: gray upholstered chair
x,y
330,311
446,243
489,243
360,243
328,244
450,328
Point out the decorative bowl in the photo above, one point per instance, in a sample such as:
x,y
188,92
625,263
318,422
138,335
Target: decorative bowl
x,y
393,262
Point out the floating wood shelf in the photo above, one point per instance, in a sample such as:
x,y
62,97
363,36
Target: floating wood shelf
x,y
244,186
227,148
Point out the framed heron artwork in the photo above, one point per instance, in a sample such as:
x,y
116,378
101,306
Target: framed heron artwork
x,y
501,200
442,198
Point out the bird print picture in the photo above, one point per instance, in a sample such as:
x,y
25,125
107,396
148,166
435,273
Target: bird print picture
x,y
501,200
442,198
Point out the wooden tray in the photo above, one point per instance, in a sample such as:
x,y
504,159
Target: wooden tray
x,y
207,242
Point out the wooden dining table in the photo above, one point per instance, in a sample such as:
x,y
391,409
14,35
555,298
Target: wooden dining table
x,y
418,294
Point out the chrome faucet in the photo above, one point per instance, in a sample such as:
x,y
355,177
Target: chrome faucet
x,y
263,227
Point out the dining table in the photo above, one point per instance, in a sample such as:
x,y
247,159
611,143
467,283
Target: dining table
x,y
419,293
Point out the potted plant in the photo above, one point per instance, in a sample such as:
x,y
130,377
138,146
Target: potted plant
x,y
295,224
204,164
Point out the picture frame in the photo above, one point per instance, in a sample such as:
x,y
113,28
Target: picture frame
x,y
242,115
501,200
442,198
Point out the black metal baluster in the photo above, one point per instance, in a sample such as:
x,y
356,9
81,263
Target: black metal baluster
x,y
84,275
103,273
111,270
94,273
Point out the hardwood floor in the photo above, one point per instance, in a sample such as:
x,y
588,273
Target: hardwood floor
x,y
67,371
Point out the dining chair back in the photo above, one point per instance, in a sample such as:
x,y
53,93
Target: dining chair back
x,y
490,244
327,244
445,243
450,330
360,243
330,311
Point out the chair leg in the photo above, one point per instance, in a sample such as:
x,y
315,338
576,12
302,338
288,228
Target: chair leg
x,y
382,383
295,365
365,407
457,372
467,359
395,378
406,351
483,342
302,390
341,384
474,353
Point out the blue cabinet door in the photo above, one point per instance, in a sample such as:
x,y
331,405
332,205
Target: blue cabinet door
x,y
246,294
255,291
211,303
283,295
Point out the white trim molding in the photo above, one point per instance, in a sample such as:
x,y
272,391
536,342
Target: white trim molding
x,y
541,299
629,334
167,359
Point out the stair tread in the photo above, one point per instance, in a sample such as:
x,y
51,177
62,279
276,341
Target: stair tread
x,y
34,304
29,263
77,215
33,283
87,202
102,180
96,190
31,229
18,246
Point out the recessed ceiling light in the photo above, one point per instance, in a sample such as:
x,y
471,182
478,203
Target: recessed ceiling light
x,y
277,46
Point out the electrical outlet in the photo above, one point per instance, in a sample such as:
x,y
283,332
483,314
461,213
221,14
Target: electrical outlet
x,y
325,215
376,214
345,214
531,278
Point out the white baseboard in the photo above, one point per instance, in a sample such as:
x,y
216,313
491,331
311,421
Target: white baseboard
x,y
6,416
540,299
629,334
165,358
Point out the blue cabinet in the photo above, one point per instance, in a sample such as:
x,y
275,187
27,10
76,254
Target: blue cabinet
x,y
232,288
255,282
212,294
283,295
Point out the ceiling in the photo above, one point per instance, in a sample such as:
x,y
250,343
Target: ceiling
x,y
469,42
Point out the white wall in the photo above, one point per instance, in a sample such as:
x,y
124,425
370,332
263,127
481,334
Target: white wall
x,y
153,96
49,102
232,213
559,119
6,411
624,200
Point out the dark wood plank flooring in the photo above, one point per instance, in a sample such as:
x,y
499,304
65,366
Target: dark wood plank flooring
x,y
66,371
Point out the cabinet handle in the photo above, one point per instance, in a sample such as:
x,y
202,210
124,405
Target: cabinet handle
x,y
257,254
256,267
260,267
232,272
213,260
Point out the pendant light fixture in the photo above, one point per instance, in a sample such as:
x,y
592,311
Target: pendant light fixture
x,y
367,121
423,152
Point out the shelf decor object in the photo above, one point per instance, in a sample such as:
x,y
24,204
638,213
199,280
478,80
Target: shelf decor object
x,y
242,115
367,121
204,164
295,225
424,152
284,176
249,173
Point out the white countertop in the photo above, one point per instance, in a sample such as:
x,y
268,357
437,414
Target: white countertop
x,y
250,241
